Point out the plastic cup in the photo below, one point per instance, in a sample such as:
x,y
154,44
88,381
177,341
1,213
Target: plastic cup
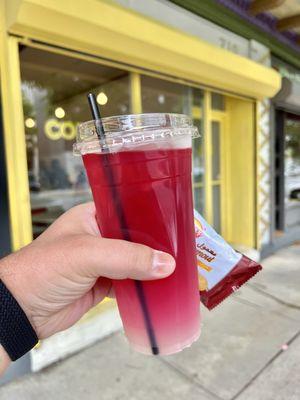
x,y
140,176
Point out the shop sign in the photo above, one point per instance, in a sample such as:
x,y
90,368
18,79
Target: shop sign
x,y
55,130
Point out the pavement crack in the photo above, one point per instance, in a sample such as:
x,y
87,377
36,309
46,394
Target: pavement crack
x,y
271,296
263,310
272,359
190,378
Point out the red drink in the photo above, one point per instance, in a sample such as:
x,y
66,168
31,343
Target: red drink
x,y
153,188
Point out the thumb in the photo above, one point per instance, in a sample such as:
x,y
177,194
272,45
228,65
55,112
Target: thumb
x,y
119,259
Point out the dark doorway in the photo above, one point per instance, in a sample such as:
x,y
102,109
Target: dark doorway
x,y
287,171
279,170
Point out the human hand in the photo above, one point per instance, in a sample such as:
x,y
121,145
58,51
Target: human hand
x,y
68,269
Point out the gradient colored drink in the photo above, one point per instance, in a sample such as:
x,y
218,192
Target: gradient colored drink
x,y
153,186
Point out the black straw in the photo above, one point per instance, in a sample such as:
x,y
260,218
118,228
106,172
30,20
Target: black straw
x,y
96,116
121,216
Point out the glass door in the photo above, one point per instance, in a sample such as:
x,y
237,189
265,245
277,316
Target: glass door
x,y
287,172
217,127
292,170
198,151
209,113
217,132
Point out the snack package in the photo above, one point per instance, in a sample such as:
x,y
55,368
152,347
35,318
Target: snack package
x,y
222,270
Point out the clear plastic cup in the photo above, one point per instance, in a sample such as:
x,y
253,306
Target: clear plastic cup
x,y
140,176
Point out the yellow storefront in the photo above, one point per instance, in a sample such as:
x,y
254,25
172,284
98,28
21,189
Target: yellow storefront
x,y
52,52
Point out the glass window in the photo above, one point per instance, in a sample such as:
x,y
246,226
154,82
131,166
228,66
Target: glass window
x,y
198,158
217,208
292,170
54,89
217,101
215,130
199,199
198,149
163,96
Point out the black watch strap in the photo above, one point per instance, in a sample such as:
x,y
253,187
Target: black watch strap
x,y
17,336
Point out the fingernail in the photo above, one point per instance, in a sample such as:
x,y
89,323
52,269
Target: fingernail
x,y
163,263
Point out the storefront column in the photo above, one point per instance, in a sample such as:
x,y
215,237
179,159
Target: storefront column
x,y
241,173
14,139
263,166
135,93
208,156
261,54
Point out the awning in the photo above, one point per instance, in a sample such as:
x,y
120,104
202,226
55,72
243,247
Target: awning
x,y
112,32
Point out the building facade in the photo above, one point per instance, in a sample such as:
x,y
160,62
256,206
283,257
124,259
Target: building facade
x,y
150,56
285,155
275,25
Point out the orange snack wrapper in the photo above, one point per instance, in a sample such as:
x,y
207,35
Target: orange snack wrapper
x,y
222,270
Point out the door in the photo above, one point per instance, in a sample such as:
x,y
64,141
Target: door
x,y
209,114
287,172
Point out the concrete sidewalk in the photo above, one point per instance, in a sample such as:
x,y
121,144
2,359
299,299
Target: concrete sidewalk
x,y
249,350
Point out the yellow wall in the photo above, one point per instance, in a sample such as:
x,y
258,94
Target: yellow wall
x,y
241,172
14,139
109,31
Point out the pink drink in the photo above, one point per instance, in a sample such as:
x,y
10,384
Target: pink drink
x,y
153,188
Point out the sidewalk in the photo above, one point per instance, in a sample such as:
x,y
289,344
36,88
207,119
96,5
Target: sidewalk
x,y
249,350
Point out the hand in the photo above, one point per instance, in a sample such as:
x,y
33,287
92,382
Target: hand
x,y
68,269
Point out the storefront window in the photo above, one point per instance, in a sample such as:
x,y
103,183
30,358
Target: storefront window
x,y
159,95
163,96
54,89
287,171
217,208
217,102
216,156
198,151
216,174
292,169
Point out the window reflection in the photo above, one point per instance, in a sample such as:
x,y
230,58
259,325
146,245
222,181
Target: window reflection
x,y
198,150
217,208
292,170
199,199
217,101
54,89
216,150
163,96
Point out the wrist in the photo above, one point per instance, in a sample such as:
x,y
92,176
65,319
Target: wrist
x,y
4,360
13,271
17,335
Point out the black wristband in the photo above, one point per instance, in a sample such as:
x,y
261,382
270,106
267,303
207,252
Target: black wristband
x,y
16,333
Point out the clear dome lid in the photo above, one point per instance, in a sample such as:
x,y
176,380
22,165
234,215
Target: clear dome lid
x,y
125,131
